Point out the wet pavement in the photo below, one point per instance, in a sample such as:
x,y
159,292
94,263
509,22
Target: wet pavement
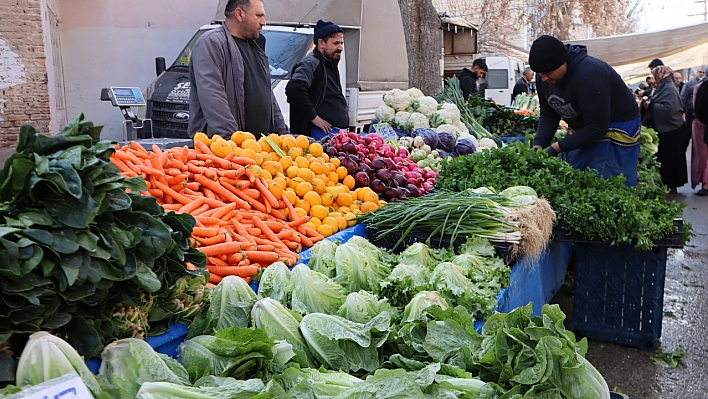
x,y
685,322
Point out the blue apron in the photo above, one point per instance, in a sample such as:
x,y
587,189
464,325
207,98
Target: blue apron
x,y
617,153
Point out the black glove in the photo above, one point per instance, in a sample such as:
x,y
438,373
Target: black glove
x,y
551,151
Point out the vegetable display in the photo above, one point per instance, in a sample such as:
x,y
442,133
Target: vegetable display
x,y
81,252
598,209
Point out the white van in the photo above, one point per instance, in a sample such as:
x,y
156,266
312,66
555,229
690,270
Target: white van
x,y
503,74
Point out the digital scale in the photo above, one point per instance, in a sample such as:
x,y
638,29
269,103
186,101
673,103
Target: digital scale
x,y
127,97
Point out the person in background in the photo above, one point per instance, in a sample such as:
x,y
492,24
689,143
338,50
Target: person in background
x,y
655,63
667,119
603,122
644,98
522,85
699,149
678,81
230,77
687,95
314,92
468,78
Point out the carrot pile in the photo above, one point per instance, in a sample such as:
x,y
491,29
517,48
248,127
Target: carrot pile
x,y
240,225
525,112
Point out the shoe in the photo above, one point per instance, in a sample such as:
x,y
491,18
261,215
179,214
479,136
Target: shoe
x,y
702,192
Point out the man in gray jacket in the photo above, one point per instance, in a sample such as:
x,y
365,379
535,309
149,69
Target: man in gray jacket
x,y
230,77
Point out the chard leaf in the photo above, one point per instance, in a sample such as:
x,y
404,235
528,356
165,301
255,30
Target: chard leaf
x,y
87,240
28,219
146,278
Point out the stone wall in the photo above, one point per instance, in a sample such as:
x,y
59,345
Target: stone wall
x,y
24,92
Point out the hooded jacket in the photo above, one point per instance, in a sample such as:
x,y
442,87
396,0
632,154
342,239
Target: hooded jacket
x,y
216,95
468,82
587,108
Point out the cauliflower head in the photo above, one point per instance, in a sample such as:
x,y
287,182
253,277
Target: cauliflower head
x,y
462,127
414,93
418,120
441,117
486,144
448,128
397,99
401,120
384,113
426,105
453,113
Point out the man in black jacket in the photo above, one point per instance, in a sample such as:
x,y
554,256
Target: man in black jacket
x,y
522,85
314,92
468,79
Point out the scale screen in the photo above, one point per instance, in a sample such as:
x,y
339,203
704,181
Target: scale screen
x,y
127,96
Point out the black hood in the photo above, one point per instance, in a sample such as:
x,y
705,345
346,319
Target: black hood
x,y
467,73
576,53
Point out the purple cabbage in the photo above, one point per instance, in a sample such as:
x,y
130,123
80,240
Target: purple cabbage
x,y
447,141
429,136
465,147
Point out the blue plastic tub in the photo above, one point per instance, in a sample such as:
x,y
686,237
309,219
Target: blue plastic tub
x,y
619,294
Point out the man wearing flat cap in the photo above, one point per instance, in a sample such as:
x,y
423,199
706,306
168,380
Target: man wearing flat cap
x,y
603,118
317,104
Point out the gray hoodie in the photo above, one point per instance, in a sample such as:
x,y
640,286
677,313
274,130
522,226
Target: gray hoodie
x,y
216,95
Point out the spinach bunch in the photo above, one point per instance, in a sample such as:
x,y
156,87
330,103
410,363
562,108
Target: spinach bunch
x,y
598,209
500,119
76,244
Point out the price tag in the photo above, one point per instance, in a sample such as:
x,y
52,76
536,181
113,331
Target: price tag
x,y
386,131
69,386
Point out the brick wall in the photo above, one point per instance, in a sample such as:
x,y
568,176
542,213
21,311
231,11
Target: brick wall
x,y
24,92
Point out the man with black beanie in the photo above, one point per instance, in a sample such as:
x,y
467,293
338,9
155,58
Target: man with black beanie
x,y
317,103
603,118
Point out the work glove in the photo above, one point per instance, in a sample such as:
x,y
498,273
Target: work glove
x,y
551,151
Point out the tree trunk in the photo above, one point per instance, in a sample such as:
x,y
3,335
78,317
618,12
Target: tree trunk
x,y
421,27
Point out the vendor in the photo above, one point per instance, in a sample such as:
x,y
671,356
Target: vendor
x,y
601,113
230,77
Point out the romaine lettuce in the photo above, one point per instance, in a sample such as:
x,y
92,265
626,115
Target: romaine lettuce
x,y
361,265
362,306
231,305
322,258
275,283
281,324
313,292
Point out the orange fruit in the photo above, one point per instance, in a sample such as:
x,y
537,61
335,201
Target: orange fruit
x,y
281,181
288,142
333,191
249,135
370,196
286,162
299,212
341,222
266,156
259,159
368,206
310,224
276,189
293,183
325,230
325,157
313,198
296,152
349,182
238,137
344,199
305,174
199,136
342,188
252,144
332,222
335,162
272,167
264,144
237,151
249,153
304,205
257,170
327,167
318,211
302,142
220,148
303,188
315,149
291,172
342,172
266,175
216,137
327,199
316,168
231,144
318,185
335,214
290,196
350,218
302,162
333,177
275,138
343,210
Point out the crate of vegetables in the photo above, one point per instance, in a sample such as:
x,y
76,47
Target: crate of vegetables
x,y
619,294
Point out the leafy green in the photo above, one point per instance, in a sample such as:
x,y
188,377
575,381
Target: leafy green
x,y
361,265
275,283
128,363
322,258
205,388
362,306
231,305
313,292
385,384
669,360
403,283
422,301
282,324
596,208
418,254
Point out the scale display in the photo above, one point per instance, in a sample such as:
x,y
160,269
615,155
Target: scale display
x,y
126,96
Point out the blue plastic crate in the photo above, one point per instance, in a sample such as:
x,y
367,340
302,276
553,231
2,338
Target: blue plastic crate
x,y
619,294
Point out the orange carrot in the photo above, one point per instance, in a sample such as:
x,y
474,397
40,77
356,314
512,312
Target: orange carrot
x,y
266,230
215,278
235,258
250,175
223,248
241,271
291,210
203,148
205,231
192,205
172,193
262,186
224,210
258,256
224,192
200,210
209,241
299,221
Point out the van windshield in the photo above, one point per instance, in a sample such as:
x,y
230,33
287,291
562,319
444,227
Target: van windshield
x,y
497,78
284,50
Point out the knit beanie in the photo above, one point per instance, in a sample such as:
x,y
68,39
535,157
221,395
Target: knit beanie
x,y
324,29
547,54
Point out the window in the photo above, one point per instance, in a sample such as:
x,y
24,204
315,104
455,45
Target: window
x,y
497,79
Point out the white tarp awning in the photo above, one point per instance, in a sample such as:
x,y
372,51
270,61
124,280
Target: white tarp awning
x,y
630,54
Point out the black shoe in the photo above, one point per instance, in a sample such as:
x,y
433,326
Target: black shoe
x,y
702,192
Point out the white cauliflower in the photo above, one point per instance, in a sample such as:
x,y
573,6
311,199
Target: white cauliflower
x,y
487,144
426,105
447,128
384,113
401,120
397,99
437,118
418,120
414,93
462,127
453,113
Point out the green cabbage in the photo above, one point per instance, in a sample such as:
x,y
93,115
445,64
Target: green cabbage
x,y
362,306
275,283
313,292
322,258
281,324
231,305
46,357
340,344
128,363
